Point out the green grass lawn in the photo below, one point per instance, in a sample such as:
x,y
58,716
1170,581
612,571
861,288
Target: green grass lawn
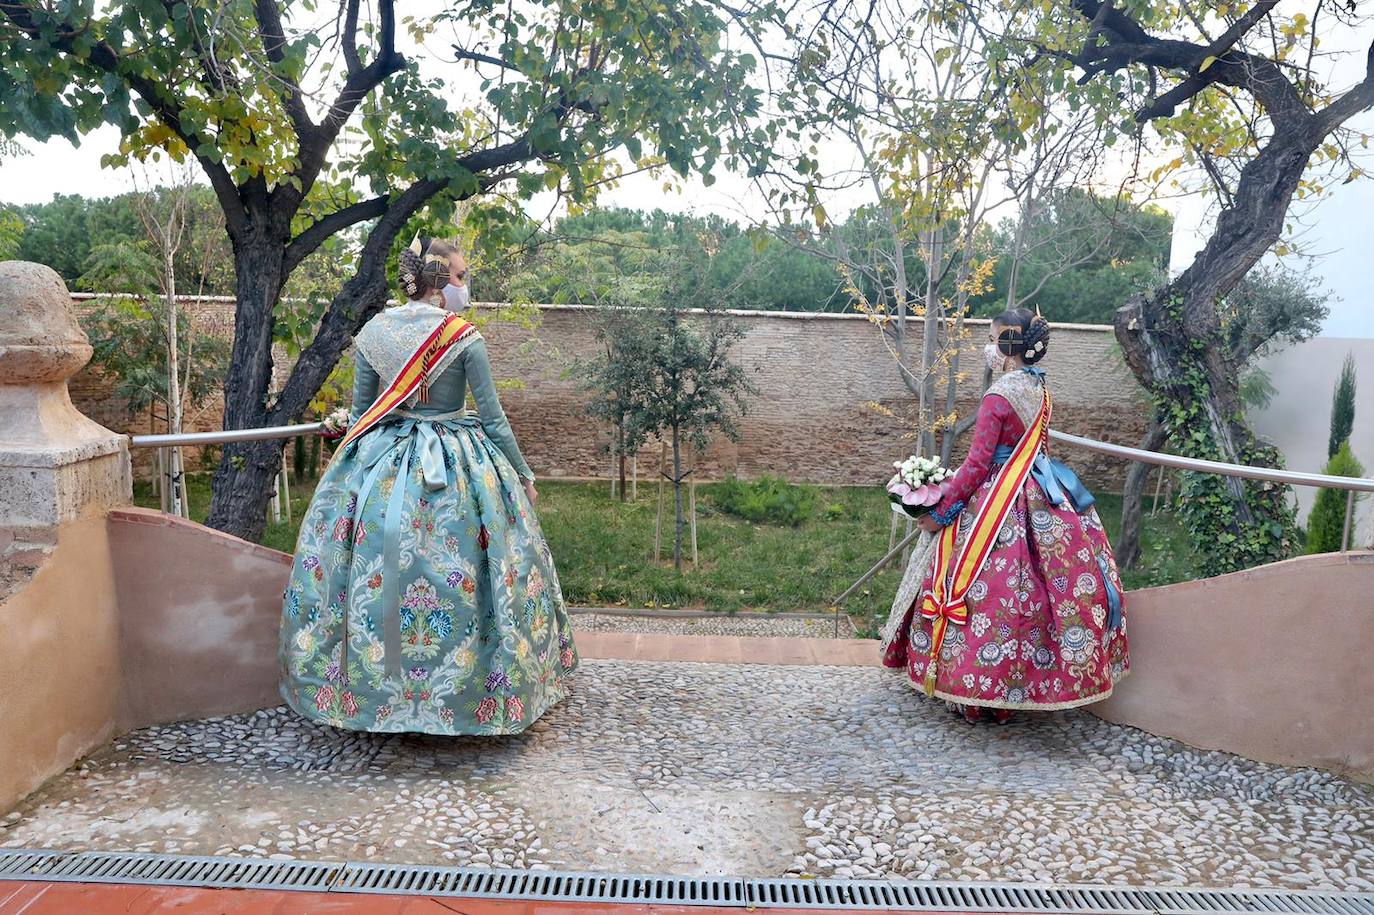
x,y
604,550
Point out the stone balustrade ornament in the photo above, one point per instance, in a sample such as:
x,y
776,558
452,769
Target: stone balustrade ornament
x,y
56,465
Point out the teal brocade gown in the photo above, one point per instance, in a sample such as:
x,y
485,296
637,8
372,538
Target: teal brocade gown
x,y
423,597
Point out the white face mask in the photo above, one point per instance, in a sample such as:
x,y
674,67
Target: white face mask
x,y
456,297
994,357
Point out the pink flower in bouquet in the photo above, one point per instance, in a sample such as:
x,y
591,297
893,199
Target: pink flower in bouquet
x,y
924,496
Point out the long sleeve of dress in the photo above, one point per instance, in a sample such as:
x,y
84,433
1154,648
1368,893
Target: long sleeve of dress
x,y
366,383
494,421
993,415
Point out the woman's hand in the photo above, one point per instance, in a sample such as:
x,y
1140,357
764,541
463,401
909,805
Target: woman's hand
x,y
927,523
530,492
335,425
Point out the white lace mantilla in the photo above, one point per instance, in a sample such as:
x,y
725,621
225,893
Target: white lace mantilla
x,y
1024,391
922,557
389,340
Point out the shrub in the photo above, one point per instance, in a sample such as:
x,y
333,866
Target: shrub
x,y
1327,521
768,499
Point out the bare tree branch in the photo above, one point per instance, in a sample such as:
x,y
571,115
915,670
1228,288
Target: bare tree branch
x,y
273,37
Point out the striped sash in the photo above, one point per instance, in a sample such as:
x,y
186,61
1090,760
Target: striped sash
x,y
945,602
413,376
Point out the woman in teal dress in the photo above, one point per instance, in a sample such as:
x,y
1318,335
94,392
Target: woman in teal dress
x,y
423,597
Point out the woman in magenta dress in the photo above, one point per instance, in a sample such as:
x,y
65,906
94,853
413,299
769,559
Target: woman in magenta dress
x,y
1019,604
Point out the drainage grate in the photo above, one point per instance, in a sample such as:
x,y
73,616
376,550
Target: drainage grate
x,y
724,892
167,870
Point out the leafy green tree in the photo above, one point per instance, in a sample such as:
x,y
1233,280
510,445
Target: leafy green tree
x,y
128,333
11,233
1233,94
119,329
1079,256
1270,308
1342,406
11,225
1326,524
666,373
304,137
62,232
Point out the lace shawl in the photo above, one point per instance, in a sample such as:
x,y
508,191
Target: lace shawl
x,y
1025,391
389,340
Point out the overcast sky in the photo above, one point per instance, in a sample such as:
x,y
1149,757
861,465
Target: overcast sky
x,y
1338,230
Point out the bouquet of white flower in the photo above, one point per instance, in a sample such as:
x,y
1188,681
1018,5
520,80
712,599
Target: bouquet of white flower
x,y
335,424
918,486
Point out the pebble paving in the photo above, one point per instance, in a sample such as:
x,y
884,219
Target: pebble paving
x,y
703,769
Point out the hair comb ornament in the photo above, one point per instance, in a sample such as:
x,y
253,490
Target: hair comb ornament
x,y
416,246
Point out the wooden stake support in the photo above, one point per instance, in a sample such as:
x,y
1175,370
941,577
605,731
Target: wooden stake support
x,y
658,522
692,503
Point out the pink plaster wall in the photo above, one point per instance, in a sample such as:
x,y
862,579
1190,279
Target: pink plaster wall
x,y
141,618
198,621
59,661
1272,663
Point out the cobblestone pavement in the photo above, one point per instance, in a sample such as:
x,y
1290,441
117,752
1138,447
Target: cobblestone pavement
x,y
704,769
753,625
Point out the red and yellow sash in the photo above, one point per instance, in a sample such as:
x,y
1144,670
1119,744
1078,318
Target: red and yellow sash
x,y
412,377
944,603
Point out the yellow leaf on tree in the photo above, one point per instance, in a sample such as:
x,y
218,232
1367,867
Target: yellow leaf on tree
x,y
1207,62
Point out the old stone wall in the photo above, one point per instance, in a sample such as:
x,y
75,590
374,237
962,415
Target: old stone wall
x,y
818,375
814,419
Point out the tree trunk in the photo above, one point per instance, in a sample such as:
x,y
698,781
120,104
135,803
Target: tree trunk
x,y
1174,344
620,432
950,434
247,472
934,254
169,289
1137,475
677,501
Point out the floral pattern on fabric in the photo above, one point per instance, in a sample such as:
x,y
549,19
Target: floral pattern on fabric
x,y
485,641
1038,633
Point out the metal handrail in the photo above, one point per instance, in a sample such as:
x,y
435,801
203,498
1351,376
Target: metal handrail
x,y
1159,458
1270,474
265,434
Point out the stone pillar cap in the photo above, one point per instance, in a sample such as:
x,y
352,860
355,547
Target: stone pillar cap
x,y
40,338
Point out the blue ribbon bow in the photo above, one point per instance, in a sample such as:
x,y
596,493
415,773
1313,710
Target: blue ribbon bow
x,y
1062,487
1059,482
422,445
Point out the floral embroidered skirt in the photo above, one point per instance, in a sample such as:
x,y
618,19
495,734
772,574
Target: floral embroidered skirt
x,y
423,597
1038,633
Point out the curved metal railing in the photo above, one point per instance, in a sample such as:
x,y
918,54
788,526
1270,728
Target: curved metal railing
x,y
1350,485
265,434
1273,475
1159,458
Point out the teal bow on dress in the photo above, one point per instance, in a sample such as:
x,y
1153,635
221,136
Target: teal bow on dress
x,y
418,441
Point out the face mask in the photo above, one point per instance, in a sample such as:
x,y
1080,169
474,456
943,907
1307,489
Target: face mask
x,y
456,297
993,356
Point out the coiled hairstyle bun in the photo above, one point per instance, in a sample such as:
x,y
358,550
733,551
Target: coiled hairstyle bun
x,y
423,267
1024,333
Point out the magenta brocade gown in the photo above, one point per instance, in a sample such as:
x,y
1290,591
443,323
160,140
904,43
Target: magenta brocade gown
x,y
1039,633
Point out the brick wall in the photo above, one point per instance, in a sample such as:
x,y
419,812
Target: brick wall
x,y
817,376
93,394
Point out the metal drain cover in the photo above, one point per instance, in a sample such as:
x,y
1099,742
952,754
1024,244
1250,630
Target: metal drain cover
x,y
722,892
